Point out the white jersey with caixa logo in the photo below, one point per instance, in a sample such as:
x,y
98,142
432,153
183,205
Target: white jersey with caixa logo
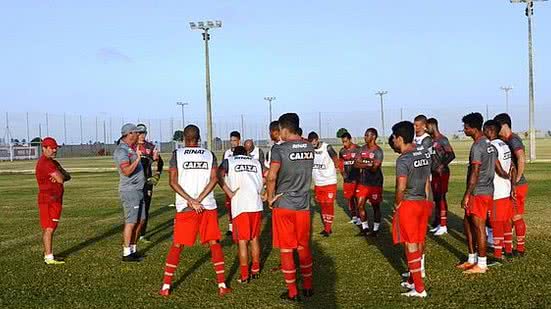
x,y
244,174
324,171
194,170
502,186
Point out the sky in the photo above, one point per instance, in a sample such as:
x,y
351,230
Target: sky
x,y
135,59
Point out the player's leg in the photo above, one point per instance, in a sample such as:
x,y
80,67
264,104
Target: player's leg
x,y
147,196
518,219
499,227
414,256
442,207
304,251
243,261
141,217
255,256
289,270
478,225
210,233
230,219
285,239
375,200
362,200
171,264
49,218
469,237
435,185
508,238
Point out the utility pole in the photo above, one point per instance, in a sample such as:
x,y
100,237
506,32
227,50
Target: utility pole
x,y
28,134
270,99
205,26
65,129
96,129
381,94
242,126
529,11
80,122
487,113
506,89
401,114
183,105
319,124
47,125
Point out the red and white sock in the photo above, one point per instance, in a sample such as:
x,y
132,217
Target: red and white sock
x,y
443,212
289,272
244,271
172,260
414,265
255,268
499,230
520,231
508,237
217,258
327,214
305,259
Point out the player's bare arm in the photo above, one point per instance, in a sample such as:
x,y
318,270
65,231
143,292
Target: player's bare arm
x,y
271,183
427,189
513,177
210,186
521,163
57,177
401,184
500,171
471,184
128,169
173,182
222,182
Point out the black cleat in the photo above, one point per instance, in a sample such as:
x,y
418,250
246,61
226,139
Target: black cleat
x,y
520,254
132,258
244,281
229,233
324,233
285,296
308,292
362,233
508,257
372,233
255,276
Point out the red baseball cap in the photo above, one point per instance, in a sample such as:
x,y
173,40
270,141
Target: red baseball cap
x,y
49,142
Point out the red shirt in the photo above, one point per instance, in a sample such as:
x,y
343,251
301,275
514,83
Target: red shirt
x,y
44,168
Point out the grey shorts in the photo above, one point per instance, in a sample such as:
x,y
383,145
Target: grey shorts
x,y
132,206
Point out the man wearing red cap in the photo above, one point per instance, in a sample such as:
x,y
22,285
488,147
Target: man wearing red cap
x,y
50,177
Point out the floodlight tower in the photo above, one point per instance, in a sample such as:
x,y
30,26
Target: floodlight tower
x,y
529,11
183,105
381,94
506,89
205,26
270,99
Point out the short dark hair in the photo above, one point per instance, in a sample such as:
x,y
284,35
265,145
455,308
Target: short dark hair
x,y
312,136
372,130
299,131
421,117
405,130
274,126
235,134
493,124
191,132
432,121
346,135
239,151
391,141
290,121
503,118
473,120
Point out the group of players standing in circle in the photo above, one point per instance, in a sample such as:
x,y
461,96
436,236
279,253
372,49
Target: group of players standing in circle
x,y
496,189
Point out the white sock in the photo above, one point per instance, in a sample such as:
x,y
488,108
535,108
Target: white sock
x,y
221,285
423,262
354,218
126,251
49,257
230,227
133,248
376,226
482,262
472,258
165,286
365,225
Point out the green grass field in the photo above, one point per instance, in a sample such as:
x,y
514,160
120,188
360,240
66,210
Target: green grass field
x,y
350,272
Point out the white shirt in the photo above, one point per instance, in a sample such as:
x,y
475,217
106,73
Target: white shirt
x,y
268,159
228,153
244,173
324,172
194,169
502,186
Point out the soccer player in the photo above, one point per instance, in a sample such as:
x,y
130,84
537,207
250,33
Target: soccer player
x,y
275,138
369,159
193,177
347,157
253,151
422,138
149,155
478,197
411,203
324,174
50,177
131,186
442,156
235,140
244,186
521,185
502,210
288,194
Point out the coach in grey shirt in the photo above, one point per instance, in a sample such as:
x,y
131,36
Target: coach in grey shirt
x,y
132,180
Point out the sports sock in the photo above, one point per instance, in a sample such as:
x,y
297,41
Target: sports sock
x,y
472,258
423,263
230,227
172,260
244,271
305,260
352,209
255,268
498,238
482,262
365,225
289,272
376,226
217,258
49,257
508,237
443,212
520,231
414,265
126,251
133,248
328,213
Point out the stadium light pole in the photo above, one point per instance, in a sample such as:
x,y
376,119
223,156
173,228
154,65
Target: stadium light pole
x,y
270,99
531,108
183,105
506,89
205,26
381,95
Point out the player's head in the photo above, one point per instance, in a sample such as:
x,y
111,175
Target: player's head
x,y
403,133
491,129
346,140
192,135
504,121
249,145
129,133
420,122
239,151
235,139
370,136
299,132
391,144
274,131
432,126
472,124
49,147
142,130
289,123
314,139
